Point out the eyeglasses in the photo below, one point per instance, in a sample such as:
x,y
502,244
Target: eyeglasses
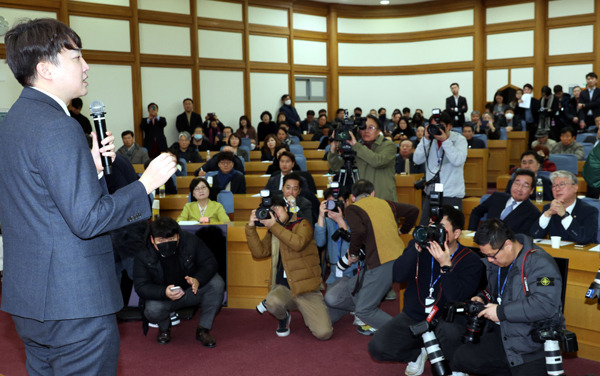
x,y
495,254
370,128
200,188
560,185
522,185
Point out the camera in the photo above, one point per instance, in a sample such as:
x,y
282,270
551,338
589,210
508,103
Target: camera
x,y
594,291
343,263
264,210
424,235
425,329
435,129
474,325
554,337
336,202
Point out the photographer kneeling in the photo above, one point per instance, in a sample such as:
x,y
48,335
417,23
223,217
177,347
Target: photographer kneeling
x,y
524,289
374,236
296,271
444,154
375,158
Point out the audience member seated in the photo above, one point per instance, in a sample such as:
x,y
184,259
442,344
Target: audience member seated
x,y
487,127
268,150
274,167
499,106
530,160
542,138
199,141
543,152
210,117
266,127
298,200
75,111
287,162
131,150
202,208
593,139
328,223
568,145
235,141
419,133
515,209
184,150
282,135
511,121
475,120
567,216
404,161
246,130
213,163
472,142
417,120
403,131
222,139
214,130
309,125
176,270
227,179
323,127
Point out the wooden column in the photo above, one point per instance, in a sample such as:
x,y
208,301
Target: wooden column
x,y
136,73
479,57
195,56
246,57
596,39
540,45
292,76
333,88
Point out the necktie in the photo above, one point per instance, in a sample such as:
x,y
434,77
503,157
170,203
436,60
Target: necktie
x,y
407,166
507,210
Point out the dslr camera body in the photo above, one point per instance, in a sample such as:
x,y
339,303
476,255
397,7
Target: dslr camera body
x,y
474,325
264,210
336,202
424,235
435,129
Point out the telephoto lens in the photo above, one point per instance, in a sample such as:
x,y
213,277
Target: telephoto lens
x,y
434,352
262,307
343,263
554,364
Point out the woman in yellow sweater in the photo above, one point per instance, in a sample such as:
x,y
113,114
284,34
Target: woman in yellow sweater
x,y
201,206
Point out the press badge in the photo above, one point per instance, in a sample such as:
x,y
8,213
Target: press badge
x,y
429,304
339,273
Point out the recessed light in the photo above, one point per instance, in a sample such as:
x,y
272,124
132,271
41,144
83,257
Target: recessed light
x,y
384,2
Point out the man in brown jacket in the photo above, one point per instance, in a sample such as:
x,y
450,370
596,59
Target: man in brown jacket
x,y
296,270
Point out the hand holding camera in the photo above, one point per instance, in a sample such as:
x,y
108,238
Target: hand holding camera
x,y
441,255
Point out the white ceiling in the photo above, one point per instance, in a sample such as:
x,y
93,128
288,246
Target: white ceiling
x,y
372,2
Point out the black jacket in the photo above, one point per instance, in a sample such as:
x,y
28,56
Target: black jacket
x,y
181,123
196,260
519,220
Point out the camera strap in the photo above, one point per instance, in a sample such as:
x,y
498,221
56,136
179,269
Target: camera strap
x,y
440,161
524,275
359,278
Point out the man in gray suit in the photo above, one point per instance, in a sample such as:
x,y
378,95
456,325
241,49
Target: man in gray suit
x,y
59,275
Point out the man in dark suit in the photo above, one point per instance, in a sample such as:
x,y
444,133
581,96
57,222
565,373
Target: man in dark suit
x,y
188,120
153,127
59,280
287,162
589,102
404,160
516,210
566,216
530,160
530,114
472,142
456,106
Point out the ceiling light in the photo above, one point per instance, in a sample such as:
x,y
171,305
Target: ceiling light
x,y
384,2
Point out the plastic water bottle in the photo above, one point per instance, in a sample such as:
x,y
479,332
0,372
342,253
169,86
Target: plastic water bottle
x,y
207,155
539,191
155,209
161,191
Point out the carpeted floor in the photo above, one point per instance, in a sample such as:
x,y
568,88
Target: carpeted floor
x,y
246,345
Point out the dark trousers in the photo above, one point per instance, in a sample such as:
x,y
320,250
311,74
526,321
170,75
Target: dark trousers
x,y
394,342
484,358
208,297
452,201
87,346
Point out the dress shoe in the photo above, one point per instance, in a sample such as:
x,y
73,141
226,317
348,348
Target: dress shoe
x,y
204,337
163,337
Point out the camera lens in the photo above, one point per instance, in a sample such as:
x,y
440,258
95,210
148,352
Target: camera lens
x,y
330,205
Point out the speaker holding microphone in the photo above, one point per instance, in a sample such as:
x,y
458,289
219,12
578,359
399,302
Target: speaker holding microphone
x,y
97,110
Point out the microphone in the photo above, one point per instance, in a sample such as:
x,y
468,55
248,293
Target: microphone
x,y
97,109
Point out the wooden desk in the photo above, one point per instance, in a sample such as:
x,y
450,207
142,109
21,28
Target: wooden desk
x,y
314,154
476,172
498,159
310,145
502,182
191,167
172,205
183,184
256,167
243,204
255,155
406,192
582,316
307,136
316,167
138,167
517,144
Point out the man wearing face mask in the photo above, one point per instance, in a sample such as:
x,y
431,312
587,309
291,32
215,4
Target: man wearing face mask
x,y
295,269
177,270
200,142
291,115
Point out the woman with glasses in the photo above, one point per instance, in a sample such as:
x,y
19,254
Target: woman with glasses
x,y
202,206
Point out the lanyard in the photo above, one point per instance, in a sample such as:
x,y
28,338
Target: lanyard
x,y
504,284
431,281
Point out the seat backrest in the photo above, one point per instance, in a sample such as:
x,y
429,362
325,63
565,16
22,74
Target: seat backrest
x,y
225,198
296,149
481,137
595,203
295,140
246,142
582,136
247,148
457,129
587,148
503,133
565,162
301,162
183,164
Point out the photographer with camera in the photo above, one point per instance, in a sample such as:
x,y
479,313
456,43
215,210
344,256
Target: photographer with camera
x,y
295,267
444,154
438,269
524,289
375,238
332,230
375,157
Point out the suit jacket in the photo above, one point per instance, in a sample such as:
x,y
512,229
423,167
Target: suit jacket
x,y
56,214
462,108
593,104
135,156
583,228
414,168
519,220
182,124
475,143
154,131
273,182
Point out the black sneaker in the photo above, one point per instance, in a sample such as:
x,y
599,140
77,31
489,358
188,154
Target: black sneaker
x,y
284,326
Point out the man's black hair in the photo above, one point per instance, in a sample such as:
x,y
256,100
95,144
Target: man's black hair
x,y
445,118
266,113
405,110
293,176
164,227
344,193
535,155
591,74
468,125
455,217
528,86
493,232
340,110
358,108
31,42
454,83
283,97
188,99
310,113
381,109
282,128
524,171
568,129
375,119
289,155
152,104
362,187
558,89
125,133
322,111
323,115
76,103
225,155
546,90
278,200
